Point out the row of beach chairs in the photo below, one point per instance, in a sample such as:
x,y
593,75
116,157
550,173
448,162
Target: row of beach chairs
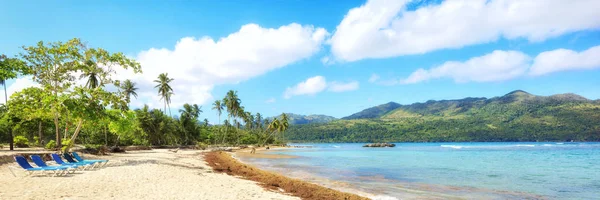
x,y
74,163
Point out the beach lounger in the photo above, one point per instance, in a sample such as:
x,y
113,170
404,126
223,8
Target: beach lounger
x,y
40,163
80,159
32,170
59,161
70,159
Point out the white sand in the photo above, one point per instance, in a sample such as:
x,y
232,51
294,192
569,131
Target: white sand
x,y
154,174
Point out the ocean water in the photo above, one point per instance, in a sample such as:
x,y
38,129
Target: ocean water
x,y
448,170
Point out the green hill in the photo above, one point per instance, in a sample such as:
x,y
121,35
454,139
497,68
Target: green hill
x,y
516,116
306,119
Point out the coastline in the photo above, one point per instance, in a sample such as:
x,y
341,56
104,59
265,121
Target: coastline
x,y
394,189
226,163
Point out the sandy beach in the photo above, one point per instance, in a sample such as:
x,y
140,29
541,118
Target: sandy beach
x,y
152,174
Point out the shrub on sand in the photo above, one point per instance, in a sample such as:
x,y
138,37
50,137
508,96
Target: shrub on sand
x,y
51,144
21,141
201,145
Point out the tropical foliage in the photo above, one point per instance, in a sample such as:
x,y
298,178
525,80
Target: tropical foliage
x,y
62,112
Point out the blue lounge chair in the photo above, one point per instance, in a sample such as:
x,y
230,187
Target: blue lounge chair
x,y
76,155
70,159
40,163
32,170
59,161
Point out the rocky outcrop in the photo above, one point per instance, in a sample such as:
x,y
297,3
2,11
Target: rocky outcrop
x,y
379,145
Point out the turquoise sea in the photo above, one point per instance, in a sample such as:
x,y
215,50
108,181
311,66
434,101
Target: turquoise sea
x,y
552,170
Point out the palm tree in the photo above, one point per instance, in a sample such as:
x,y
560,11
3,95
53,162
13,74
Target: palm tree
x,y
249,120
258,120
232,103
272,127
164,89
284,124
218,106
90,72
129,90
205,122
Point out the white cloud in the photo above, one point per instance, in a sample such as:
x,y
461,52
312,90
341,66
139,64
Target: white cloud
x,y
199,64
311,86
385,28
373,78
504,65
343,87
496,66
270,100
316,84
19,84
565,59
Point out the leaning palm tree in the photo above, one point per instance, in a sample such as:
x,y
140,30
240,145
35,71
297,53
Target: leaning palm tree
x,y
129,90
164,89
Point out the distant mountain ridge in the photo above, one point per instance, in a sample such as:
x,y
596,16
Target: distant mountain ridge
x,y
306,119
516,116
440,106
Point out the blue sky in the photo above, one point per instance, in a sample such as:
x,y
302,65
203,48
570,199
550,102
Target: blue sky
x,y
328,57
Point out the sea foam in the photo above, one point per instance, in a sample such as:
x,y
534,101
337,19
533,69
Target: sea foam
x,y
451,146
383,197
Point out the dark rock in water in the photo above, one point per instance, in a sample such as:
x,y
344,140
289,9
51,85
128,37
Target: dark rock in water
x,y
379,145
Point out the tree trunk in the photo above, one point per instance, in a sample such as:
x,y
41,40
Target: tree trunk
x,y
66,126
79,124
105,137
58,144
40,134
10,134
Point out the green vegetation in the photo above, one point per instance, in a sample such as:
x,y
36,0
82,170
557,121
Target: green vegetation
x,y
96,117
517,116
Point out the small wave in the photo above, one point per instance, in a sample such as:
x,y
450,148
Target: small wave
x,y
336,146
525,145
451,146
547,145
560,143
383,197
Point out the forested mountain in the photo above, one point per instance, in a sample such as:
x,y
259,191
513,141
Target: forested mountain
x,y
374,112
516,116
306,119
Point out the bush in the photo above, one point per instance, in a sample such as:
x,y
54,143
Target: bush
x,y
36,139
51,144
201,145
64,145
21,141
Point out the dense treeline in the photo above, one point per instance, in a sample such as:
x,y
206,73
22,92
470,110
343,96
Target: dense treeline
x,y
517,116
61,112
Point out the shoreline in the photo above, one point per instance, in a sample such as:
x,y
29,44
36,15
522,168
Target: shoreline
x,y
394,189
226,163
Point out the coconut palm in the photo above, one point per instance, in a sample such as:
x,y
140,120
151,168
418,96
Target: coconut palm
x,y
218,106
283,124
232,103
258,119
164,89
129,90
91,73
